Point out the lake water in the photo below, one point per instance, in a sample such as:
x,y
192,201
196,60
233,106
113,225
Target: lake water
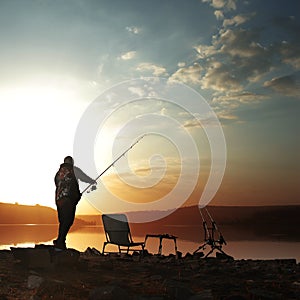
x,y
81,239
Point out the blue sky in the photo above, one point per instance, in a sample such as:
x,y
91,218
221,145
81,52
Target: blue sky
x,y
243,57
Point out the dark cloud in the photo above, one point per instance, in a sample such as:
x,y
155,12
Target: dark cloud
x,y
239,58
239,42
219,77
290,53
286,85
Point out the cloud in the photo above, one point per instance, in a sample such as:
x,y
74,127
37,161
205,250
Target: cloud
x,y
133,29
286,85
290,52
128,55
290,47
234,59
244,54
205,51
204,120
154,69
240,58
219,14
219,77
222,4
229,109
239,42
137,91
244,97
193,123
236,20
163,111
241,52
227,117
190,74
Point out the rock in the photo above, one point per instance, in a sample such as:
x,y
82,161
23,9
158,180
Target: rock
x,y
199,254
188,255
136,258
167,260
259,293
145,297
34,297
178,254
235,297
38,258
250,281
88,252
151,259
194,266
286,261
32,257
179,292
203,295
110,292
96,251
34,281
156,277
67,257
151,278
91,252
223,256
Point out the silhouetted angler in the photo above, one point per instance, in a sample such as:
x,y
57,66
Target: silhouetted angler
x,y
67,195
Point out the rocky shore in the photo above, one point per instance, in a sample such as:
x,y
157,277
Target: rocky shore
x,y
39,274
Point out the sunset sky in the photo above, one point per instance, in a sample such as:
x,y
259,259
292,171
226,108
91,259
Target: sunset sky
x,y
243,57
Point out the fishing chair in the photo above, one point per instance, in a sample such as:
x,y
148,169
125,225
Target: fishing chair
x,y
117,232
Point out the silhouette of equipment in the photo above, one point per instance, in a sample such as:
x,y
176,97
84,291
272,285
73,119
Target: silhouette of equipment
x,y
161,237
210,237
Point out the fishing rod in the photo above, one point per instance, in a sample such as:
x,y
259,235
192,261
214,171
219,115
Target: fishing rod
x,y
92,185
214,225
209,236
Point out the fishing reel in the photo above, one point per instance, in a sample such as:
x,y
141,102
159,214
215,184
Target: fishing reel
x,y
92,188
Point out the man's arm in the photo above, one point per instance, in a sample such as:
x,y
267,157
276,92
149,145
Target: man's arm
x,y
83,177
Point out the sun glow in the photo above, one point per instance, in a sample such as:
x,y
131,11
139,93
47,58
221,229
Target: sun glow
x,y
37,128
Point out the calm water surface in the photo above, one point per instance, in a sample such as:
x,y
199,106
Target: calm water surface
x,y
81,239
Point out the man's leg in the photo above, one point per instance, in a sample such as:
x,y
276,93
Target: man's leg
x,y
66,216
60,220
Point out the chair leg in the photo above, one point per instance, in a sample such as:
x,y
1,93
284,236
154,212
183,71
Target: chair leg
x,y
160,246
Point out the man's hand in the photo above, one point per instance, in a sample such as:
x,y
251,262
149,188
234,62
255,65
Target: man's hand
x,y
93,188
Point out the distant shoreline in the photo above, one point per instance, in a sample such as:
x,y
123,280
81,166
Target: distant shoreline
x,y
235,222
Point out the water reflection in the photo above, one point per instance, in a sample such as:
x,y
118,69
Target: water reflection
x,y
28,233
189,239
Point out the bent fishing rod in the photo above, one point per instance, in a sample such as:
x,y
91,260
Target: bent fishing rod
x,y
92,185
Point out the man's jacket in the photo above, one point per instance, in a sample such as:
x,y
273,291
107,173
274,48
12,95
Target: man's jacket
x,y
67,184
